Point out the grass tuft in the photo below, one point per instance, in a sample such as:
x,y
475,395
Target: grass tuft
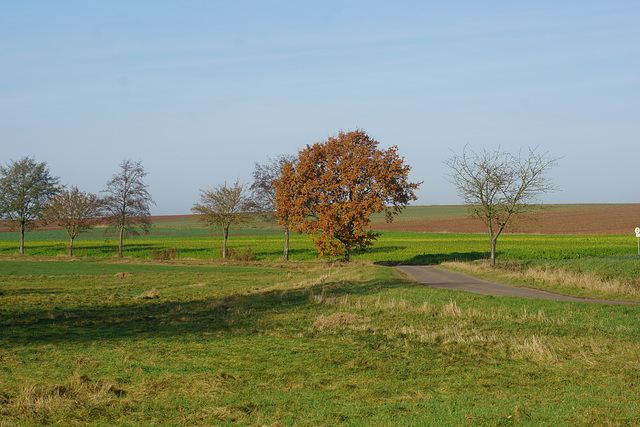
x,y
534,349
150,294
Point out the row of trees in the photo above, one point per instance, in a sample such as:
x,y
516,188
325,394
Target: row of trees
x,y
329,191
331,188
31,195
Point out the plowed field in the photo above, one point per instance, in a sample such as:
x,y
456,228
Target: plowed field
x,y
558,219
555,219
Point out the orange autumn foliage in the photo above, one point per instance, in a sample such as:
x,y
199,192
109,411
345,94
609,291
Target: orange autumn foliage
x,y
335,187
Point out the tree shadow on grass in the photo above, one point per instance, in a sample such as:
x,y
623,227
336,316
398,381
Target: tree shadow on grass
x,y
434,259
135,318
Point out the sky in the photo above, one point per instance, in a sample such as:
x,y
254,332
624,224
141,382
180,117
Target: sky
x,y
201,91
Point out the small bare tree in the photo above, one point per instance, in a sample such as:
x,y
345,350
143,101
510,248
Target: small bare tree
x,y
263,192
25,189
222,207
75,211
127,202
498,186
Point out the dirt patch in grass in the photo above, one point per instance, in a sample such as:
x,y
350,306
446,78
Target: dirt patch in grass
x,y
122,274
582,219
337,320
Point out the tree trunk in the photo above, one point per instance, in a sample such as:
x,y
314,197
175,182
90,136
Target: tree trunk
x,y
224,242
286,244
493,251
347,254
22,227
120,243
492,243
71,247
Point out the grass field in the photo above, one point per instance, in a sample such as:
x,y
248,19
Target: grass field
x,y
301,344
267,244
95,340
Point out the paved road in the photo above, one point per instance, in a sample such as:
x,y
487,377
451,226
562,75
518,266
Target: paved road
x,y
460,282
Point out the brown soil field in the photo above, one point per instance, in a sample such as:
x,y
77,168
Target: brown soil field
x,y
557,219
566,219
171,217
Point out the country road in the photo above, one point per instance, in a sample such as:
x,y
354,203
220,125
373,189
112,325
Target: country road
x,y
442,279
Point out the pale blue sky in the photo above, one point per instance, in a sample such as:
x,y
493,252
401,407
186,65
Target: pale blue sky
x,y
201,90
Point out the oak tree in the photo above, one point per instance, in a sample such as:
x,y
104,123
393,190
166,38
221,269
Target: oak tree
x,y
498,186
75,211
127,203
25,189
335,187
222,207
263,191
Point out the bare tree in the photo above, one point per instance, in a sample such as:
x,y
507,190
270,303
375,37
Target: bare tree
x,y
25,190
222,207
127,202
75,211
263,192
498,186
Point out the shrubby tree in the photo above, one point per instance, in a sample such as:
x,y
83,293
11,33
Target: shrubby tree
x,y
222,207
498,186
127,202
25,189
75,211
263,191
335,187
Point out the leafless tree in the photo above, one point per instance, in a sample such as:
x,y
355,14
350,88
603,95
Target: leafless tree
x,y
25,189
127,202
498,186
222,207
263,192
75,211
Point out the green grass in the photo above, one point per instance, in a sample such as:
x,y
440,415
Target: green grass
x,y
391,247
222,345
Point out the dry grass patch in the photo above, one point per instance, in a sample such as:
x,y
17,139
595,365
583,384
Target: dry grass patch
x,y
451,309
449,324
535,349
337,320
588,281
78,391
150,294
553,276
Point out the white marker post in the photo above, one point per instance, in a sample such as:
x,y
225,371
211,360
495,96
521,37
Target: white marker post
x,y
638,237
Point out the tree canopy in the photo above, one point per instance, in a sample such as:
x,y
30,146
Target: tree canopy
x,y
75,211
263,190
128,202
222,207
335,187
498,186
25,189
